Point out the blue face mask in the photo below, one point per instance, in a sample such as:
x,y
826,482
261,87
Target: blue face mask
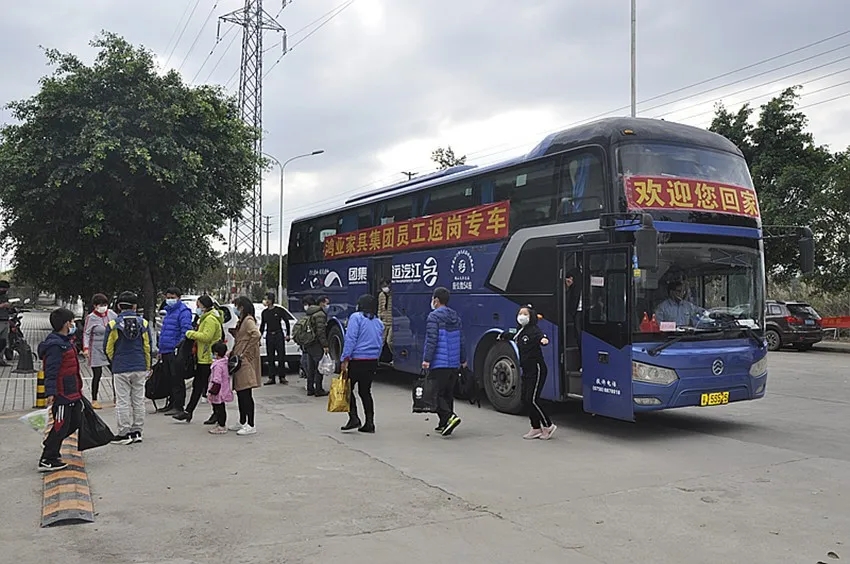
x,y
72,330
171,301
199,311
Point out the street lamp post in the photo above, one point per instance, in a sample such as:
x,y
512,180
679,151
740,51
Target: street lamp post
x,y
282,168
634,58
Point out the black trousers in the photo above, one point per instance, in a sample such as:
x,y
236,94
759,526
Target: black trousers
x,y
362,374
178,386
66,420
96,375
200,383
315,379
276,351
245,398
532,385
446,379
220,413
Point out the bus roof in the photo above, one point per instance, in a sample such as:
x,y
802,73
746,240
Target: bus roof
x,y
601,132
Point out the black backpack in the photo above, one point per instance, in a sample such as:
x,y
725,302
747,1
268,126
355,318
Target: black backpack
x,y
467,387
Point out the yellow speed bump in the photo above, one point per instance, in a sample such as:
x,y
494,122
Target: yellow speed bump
x,y
66,497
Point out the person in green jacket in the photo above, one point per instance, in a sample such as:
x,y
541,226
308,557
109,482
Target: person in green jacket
x,y
209,332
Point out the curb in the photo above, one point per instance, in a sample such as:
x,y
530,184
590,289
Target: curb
x,y
832,348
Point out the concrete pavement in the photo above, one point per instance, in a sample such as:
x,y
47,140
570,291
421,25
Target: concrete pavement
x,y
764,481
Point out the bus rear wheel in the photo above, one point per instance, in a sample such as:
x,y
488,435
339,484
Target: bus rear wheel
x,y
502,379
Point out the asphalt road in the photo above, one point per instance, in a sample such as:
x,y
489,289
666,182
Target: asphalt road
x,y
765,481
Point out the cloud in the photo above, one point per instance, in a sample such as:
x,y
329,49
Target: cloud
x,y
385,82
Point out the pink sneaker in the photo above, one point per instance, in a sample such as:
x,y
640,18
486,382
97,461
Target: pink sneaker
x,y
533,434
218,430
547,432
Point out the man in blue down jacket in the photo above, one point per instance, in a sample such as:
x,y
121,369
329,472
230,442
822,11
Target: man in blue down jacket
x,y
445,353
178,320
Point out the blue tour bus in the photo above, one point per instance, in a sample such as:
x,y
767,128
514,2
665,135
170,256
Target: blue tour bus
x,y
639,242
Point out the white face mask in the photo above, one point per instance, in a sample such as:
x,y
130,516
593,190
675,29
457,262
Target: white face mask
x,y
522,319
101,309
433,304
385,290
306,307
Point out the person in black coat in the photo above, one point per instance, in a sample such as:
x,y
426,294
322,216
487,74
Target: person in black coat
x,y
530,339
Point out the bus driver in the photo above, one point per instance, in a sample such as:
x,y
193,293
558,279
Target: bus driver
x,y
676,308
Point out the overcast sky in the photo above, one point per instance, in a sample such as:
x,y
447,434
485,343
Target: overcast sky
x,y
387,81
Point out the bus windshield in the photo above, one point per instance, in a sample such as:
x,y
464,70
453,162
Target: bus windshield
x,y
660,159
701,288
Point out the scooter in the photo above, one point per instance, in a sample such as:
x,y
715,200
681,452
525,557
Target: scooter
x,y
16,335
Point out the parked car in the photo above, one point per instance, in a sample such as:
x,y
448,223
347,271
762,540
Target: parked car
x,y
792,324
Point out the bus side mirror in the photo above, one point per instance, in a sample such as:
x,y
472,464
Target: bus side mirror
x,y
807,251
646,247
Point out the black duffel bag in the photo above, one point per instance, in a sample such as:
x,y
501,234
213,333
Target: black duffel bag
x,y
94,432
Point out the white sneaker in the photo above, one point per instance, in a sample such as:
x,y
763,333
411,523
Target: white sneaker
x,y
237,427
247,430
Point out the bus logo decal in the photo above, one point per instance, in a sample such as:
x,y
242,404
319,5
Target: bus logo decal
x,y
429,273
717,367
462,269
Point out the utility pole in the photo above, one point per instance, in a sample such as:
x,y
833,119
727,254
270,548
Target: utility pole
x,y
409,175
267,227
634,58
246,231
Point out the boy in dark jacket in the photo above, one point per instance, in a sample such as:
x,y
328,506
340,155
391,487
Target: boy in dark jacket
x,y
175,324
63,386
445,354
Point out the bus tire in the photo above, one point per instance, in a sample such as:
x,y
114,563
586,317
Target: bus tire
x,y
502,379
336,340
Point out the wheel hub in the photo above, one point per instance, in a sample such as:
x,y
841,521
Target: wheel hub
x,y
504,377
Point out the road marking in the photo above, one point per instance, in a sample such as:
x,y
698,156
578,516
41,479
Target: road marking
x,y
66,496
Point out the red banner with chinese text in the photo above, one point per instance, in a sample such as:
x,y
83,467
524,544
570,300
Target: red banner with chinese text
x,y
471,225
683,194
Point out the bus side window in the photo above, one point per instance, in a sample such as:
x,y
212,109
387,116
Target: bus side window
x,y
359,218
298,244
457,196
319,230
531,191
396,209
582,190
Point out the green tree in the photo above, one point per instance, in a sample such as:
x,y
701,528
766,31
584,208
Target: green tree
x,y
445,158
270,272
788,171
118,177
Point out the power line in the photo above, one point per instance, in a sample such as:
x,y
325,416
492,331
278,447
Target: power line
x,y
760,85
340,9
177,27
226,49
185,25
210,54
824,101
306,27
197,37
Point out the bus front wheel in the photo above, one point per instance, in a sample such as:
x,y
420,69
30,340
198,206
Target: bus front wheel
x,y
502,379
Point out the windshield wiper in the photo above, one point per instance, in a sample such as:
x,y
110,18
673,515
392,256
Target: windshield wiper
x,y
729,322
688,332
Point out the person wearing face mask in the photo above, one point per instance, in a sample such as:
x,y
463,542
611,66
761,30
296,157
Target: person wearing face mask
x,y
272,323
93,334
318,320
175,324
529,340
209,332
443,357
247,348
385,314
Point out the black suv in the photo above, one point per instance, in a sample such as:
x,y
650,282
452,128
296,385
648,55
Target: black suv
x,y
794,324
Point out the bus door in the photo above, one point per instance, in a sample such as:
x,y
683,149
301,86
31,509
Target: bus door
x,y
606,333
382,268
570,284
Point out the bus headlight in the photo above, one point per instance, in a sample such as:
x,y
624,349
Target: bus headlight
x,y
653,374
759,368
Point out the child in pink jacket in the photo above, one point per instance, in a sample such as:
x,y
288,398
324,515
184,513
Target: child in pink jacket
x,y
221,388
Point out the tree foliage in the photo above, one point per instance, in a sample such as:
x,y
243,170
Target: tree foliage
x,y
270,272
798,183
117,177
446,158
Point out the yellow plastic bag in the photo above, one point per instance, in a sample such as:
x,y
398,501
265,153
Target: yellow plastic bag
x,y
340,394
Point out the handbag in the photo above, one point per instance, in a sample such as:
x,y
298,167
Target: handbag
x,y
339,395
94,432
424,394
157,386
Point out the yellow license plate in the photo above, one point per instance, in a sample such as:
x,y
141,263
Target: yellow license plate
x,y
714,398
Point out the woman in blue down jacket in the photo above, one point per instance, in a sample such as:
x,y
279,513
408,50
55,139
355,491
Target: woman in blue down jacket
x,y
364,338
